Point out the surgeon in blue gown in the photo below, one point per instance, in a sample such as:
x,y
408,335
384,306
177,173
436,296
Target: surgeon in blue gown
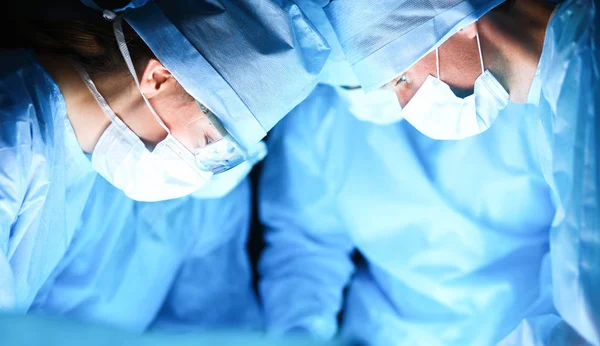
x,y
465,242
75,242
534,52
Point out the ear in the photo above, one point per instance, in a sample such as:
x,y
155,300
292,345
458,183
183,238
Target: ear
x,y
155,78
469,31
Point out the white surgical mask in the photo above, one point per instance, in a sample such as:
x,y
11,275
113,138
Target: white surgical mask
x,y
379,106
143,175
438,113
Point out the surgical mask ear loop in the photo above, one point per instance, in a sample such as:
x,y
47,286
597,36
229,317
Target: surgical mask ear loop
x,y
437,62
118,29
99,98
480,53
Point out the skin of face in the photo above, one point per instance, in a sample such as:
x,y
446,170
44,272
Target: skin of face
x,y
177,109
459,67
512,39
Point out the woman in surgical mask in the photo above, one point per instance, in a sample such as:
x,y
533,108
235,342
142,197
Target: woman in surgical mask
x,y
146,134
131,96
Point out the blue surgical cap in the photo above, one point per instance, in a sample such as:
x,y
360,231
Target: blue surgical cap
x,y
383,38
248,61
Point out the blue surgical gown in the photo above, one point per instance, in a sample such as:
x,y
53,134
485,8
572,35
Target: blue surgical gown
x,y
74,245
455,234
567,89
44,182
179,264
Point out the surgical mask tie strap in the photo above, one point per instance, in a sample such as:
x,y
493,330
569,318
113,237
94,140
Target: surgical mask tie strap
x,y
437,62
92,87
118,29
480,53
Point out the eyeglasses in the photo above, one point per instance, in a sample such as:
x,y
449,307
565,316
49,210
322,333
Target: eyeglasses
x,y
224,153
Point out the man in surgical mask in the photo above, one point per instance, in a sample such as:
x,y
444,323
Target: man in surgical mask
x,y
458,64
458,69
457,89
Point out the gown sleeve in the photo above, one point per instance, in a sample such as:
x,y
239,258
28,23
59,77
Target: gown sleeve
x,y
307,261
15,187
569,114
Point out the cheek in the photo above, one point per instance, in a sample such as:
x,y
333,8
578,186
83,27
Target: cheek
x,y
404,94
142,122
416,76
406,91
459,64
193,128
